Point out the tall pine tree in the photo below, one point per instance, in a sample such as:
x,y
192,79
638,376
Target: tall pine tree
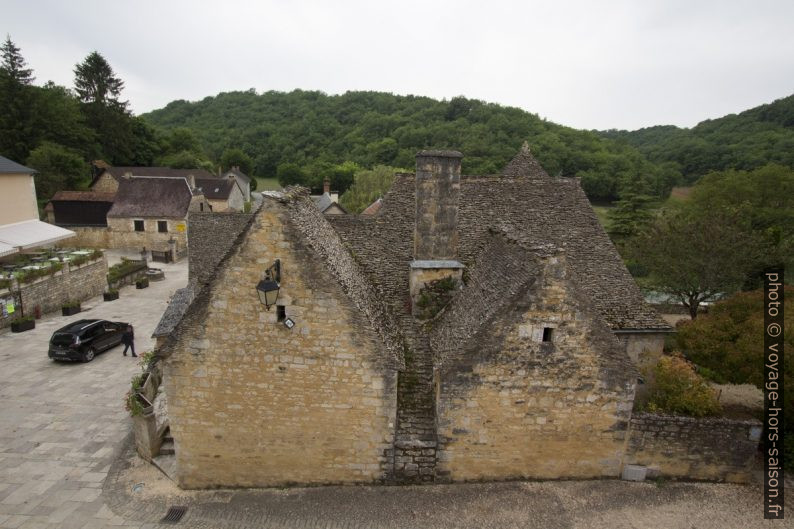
x,y
16,135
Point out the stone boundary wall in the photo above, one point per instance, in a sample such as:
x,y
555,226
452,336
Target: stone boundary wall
x,y
72,283
713,449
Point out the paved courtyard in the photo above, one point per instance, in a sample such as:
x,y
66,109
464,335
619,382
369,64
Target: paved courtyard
x,y
66,461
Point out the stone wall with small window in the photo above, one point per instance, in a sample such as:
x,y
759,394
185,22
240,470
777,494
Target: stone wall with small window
x,y
545,392
133,233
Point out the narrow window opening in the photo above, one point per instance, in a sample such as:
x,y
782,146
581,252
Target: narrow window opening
x,y
281,312
201,206
138,225
547,334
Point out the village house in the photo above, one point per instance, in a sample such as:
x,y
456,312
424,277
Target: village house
x,y
242,179
20,227
151,213
328,202
106,178
473,328
222,194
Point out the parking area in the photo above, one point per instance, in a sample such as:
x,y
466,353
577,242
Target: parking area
x,y
61,424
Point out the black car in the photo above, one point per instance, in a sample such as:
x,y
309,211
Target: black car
x,y
84,339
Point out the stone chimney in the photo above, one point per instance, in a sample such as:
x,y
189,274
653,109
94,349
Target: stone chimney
x,y
326,185
128,174
436,224
191,181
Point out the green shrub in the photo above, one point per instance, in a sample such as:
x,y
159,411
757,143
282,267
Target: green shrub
x,y
5,283
727,345
679,390
70,304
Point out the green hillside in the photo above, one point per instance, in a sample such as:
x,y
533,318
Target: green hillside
x,y
313,129
748,140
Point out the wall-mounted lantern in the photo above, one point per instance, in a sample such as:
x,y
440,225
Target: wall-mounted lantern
x,y
269,287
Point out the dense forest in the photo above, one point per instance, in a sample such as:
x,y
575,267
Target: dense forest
x,y
748,140
312,129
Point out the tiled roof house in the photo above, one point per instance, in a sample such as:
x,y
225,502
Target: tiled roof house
x,y
474,327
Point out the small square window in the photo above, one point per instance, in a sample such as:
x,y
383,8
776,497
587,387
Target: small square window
x,y
138,224
548,332
162,226
281,313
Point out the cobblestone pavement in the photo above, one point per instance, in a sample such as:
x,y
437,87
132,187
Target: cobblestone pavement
x,y
66,461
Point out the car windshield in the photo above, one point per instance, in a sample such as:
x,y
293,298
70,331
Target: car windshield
x,y
62,339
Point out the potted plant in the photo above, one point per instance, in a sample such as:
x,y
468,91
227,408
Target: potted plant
x,y
70,307
23,323
111,294
142,283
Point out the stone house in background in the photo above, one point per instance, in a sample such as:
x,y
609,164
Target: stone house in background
x,y
242,179
106,178
151,213
473,328
222,194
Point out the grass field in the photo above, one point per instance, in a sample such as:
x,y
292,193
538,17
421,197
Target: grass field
x,y
267,184
601,213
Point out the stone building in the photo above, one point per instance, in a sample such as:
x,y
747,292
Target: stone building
x,y
222,194
151,213
106,178
242,179
473,328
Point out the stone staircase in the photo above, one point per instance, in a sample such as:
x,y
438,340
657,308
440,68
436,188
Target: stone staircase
x,y
166,458
415,440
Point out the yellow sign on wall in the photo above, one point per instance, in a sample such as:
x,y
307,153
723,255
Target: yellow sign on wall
x,y
181,227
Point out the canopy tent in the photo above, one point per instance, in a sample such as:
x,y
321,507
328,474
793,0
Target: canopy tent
x,y
30,234
6,249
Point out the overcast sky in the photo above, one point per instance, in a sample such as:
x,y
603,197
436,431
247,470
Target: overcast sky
x,y
586,64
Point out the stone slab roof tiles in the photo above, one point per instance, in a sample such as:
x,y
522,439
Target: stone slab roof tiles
x,y
322,238
151,197
215,188
525,204
175,310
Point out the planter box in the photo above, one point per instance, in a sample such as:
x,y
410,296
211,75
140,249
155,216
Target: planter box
x,y
22,326
69,311
110,296
142,283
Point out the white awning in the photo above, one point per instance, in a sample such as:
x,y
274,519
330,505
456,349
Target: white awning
x,y
6,249
31,234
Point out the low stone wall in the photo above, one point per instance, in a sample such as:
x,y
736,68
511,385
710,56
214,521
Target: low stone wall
x,y
72,283
713,449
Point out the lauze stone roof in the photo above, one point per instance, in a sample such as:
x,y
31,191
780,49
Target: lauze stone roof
x,y
151,197
525,204
508,224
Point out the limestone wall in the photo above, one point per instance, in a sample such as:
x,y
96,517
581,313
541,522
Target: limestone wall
x,y
513,406
253,403
120,233
712,449
644,349
75,283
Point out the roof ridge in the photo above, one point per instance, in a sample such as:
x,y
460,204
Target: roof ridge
x,y
325,241
524,164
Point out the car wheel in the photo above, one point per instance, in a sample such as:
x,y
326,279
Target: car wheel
x,y
89,354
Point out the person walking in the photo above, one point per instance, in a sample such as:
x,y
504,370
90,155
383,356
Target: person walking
x,y
128,339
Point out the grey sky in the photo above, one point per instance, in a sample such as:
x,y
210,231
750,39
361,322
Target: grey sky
x,y
587,64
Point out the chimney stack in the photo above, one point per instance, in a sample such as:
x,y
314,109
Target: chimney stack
x,y
128,174
326,185
437,196
436,224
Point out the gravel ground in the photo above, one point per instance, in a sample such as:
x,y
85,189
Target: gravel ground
x,y
548,504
